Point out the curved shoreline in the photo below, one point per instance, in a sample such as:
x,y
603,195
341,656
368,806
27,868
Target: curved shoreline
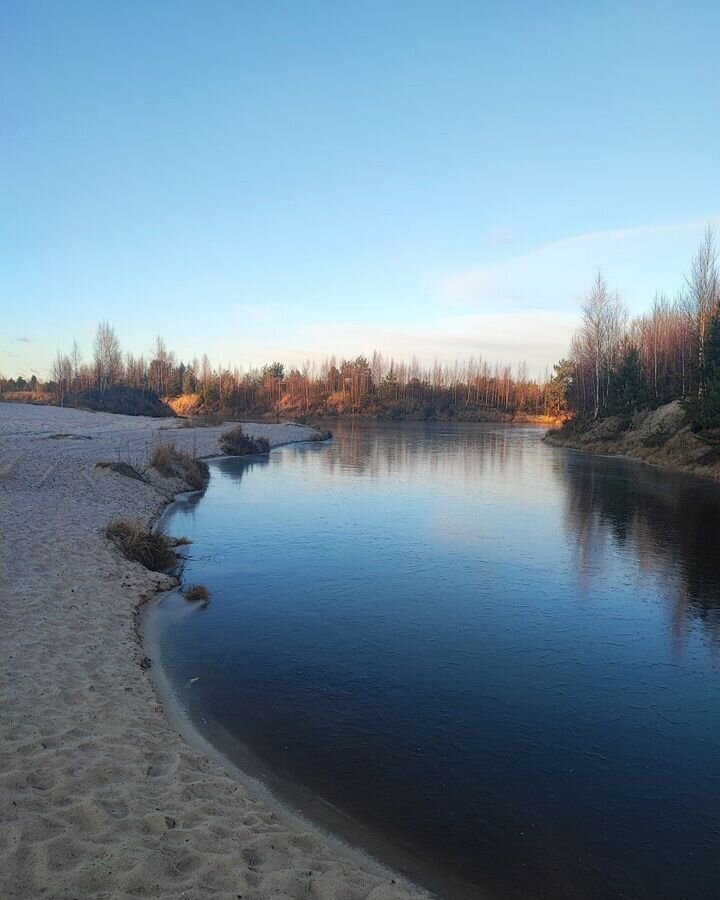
x,y
181,721
615,450
341,833
100,795
303,806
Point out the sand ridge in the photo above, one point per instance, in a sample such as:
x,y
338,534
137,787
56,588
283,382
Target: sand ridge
x,y
99,796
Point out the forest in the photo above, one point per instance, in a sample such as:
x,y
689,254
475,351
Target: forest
x,y
372,387
616,365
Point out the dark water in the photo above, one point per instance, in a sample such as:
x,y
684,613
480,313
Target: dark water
x,y
501,657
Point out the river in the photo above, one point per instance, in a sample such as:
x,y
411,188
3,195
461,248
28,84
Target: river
x,y
492,662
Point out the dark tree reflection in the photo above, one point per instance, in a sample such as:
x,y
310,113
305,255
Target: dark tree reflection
x,y
669,521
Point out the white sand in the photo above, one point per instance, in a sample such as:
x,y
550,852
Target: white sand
x,y
99,796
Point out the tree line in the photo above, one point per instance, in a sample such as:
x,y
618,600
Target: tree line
x,y
370,386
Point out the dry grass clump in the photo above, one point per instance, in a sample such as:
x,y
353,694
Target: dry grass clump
x,y
169,462
163,458
192,413
196,592
184,405
196,472
236,443
151,547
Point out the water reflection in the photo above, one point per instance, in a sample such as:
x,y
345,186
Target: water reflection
x,y
422,449
235,469
670,523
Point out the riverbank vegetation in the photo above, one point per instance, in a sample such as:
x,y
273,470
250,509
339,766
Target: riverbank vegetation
x,y
236,443
151,547
196,593
171,462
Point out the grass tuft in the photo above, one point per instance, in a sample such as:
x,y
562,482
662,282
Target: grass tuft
x,y
236,443
151,547
196,592
163,458
169,462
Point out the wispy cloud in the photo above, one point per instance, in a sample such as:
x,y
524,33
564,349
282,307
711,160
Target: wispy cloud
x,y
557,275
540,337
22,340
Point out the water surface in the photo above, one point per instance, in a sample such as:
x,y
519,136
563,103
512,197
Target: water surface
x,y
498,657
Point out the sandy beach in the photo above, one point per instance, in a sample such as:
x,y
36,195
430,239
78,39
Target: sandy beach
x,y
99,796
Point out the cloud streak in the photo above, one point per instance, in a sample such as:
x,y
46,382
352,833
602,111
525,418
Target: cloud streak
x,y
557,275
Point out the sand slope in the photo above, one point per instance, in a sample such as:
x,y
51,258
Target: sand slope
x,y
99,797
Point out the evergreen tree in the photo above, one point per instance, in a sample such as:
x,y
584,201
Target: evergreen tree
x,y
628,389
558,388
709,416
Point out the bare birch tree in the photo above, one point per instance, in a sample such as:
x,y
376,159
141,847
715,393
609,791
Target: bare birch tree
x,y
107,356
703,293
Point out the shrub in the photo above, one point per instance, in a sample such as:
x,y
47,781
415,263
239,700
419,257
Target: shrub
x,y
169,461
236,443
151,547
195,592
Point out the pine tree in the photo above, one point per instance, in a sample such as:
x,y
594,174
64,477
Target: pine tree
x,y
709,416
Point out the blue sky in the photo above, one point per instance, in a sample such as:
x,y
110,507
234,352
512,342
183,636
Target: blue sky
x,y
263,180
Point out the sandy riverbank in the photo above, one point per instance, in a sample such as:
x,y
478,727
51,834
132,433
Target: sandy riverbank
x,y
99,796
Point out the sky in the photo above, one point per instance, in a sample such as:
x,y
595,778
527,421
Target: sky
x,y
286,180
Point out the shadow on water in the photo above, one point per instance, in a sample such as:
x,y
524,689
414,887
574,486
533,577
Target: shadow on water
x,y
498,661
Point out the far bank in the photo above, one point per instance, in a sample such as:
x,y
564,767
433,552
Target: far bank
x,y
662,437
